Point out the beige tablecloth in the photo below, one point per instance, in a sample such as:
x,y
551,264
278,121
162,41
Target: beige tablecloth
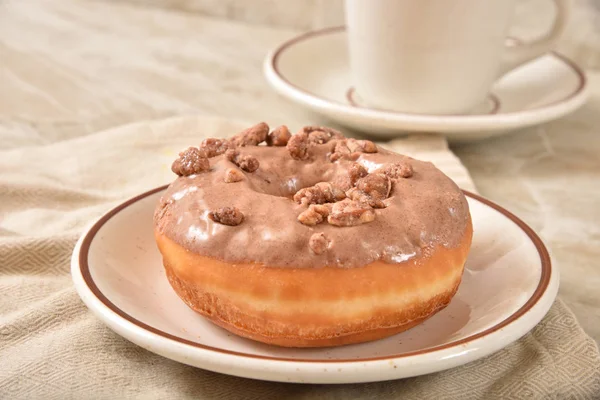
x,y
52,347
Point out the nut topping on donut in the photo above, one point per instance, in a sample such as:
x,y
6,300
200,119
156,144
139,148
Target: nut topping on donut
x,y
214,147
350,149
341,150
190,161
318,243
350,213
246,162
297,146
279,137
315,214
349,200
333,133
322,192
398,170
361,146
227,216
362,197
371,190
252,136
318,137
233,175
378,186
355,172
321,134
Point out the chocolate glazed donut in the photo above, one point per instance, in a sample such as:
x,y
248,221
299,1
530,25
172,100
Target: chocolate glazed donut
x,y
311,239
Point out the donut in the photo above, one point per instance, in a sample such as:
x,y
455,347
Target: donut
x,y
311,239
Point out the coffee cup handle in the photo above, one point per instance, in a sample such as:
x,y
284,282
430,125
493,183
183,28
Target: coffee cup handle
x,y
517,54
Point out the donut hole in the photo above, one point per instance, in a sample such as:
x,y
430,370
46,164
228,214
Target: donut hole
x,y
281,185
286,187
283,176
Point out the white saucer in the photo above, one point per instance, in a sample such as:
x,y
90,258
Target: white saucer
x,y
508,286
313,71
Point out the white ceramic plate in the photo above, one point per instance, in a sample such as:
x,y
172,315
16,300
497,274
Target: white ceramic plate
x,y
508,286
313,70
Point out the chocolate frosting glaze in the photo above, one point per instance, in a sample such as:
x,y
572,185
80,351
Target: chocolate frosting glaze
x,y
424,211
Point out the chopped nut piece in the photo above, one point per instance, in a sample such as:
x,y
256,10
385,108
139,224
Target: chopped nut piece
x,y
309,195
297,146
279,137
315,214
350,213
246,162
350,149
322,192
190,161
252,136
233,175
361,146
398,169
321,134
214,147
331,192
362,197
340,150
318,137
323,209
355,172
318,243
227,216
378,186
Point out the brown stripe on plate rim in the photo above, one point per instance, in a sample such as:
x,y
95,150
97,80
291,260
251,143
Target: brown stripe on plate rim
x,y
537,294
570,63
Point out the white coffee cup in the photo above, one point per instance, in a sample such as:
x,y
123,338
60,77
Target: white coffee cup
x,y
435,56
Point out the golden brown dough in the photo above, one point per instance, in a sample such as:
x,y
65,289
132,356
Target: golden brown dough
x,y
307,307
